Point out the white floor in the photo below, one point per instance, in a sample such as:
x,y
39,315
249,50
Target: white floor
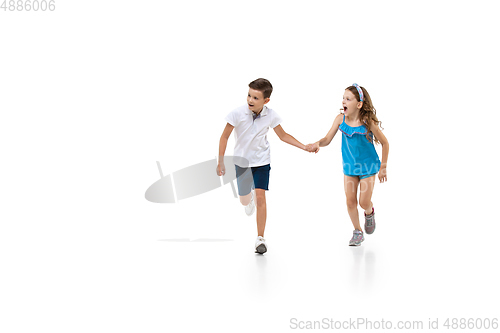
x,y
128,265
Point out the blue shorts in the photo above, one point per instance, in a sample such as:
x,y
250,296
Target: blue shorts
x,y
253,177
361,176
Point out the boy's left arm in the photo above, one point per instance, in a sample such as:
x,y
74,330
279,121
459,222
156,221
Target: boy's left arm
x,y
285,137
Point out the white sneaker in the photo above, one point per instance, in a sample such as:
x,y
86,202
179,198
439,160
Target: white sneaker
x,y
260,245
250,208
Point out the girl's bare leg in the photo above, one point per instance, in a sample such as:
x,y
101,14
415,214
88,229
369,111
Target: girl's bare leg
x,y
351,193
366,190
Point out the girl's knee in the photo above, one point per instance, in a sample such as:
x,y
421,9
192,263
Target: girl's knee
x,y
352,203
365,204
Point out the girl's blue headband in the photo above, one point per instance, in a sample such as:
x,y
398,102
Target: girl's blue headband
x,y
360,92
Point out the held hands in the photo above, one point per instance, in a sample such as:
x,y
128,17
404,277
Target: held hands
x,y
313,147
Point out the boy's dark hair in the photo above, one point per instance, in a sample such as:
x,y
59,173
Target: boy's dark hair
x,y
263,86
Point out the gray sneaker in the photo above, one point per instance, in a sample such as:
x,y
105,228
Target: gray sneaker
x,y
370,222
357,238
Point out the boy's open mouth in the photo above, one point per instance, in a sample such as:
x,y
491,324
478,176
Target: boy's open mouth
x,y
345,108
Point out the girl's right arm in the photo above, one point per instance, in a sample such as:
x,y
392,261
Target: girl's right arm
x,y
221,169
331,133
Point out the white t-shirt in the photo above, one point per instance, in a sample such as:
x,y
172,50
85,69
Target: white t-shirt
x,y
251,135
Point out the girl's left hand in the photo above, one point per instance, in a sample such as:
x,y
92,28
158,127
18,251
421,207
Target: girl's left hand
x,y
382,175
313,147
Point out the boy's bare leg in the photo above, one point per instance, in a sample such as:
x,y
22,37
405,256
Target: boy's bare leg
x,y
260,195
245,199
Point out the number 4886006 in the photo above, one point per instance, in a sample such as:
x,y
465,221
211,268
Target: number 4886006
x,y
28,5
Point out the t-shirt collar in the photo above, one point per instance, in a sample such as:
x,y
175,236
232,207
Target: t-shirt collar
x,y
262,113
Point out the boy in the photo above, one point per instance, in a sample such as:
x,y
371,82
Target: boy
x,y
251,123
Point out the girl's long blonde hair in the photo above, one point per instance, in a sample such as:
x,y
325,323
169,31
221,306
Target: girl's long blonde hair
x,y
367,114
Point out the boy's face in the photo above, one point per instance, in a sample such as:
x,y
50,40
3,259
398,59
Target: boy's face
x,y
350,103
255,100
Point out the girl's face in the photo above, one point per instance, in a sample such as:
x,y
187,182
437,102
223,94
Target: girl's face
x,y
350,103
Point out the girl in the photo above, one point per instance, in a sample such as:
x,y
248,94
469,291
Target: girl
x,y
360,127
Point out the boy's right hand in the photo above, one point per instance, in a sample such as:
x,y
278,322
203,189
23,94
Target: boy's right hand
x,y
221,169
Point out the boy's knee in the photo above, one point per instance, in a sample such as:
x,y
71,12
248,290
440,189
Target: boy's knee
x,y
245,200
260,199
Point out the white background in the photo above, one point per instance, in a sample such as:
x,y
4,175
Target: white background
x,y
95,92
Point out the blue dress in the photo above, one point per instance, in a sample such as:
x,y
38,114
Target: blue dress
x,y
359,156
